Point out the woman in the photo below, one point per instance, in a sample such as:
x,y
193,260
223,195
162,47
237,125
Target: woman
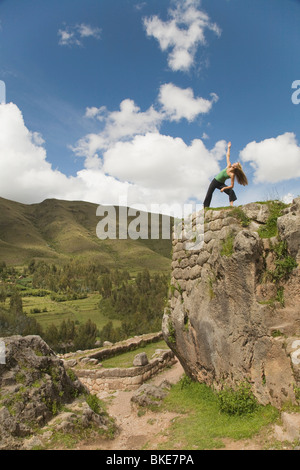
x,y
232,171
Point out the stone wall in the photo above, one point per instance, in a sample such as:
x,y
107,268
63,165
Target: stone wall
x,y
113,350
124,346
100,379
227,319
89,370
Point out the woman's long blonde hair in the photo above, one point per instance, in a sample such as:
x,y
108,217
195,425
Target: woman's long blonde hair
x,y
240,175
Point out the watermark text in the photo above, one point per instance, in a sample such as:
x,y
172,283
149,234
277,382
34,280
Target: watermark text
x,y
296,94
2,352
183,223
2,92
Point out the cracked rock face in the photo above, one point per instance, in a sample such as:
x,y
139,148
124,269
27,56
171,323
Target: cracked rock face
x,y
34,388
227,319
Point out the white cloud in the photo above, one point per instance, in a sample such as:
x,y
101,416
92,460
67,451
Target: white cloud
x,y
288,198
123,124
24,172
73,35
164,164
130,120
95,112
86,31
275,159
182,33
67,38
147,169
174,104
179,103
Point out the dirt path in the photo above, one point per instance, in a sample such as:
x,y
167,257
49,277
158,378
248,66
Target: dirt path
x,y
137,431
146,431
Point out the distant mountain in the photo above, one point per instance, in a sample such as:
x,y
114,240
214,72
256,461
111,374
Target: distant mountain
x,y
57,231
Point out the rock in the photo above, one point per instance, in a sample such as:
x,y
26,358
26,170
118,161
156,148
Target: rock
x,y
290,429
93,361
88,360
140,359
70,363
32,443
66,422
148,395
158,353
227,323
34,387
84,360
165,384
291,423
289,228
107,344
248,243
257,212
30,362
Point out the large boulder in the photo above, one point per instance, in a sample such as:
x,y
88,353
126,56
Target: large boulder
x,y
35,386
233,321
140,359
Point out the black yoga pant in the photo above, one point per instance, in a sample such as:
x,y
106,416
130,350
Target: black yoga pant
x,y
217,185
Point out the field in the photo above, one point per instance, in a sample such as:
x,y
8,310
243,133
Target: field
x,y
76,310
73,305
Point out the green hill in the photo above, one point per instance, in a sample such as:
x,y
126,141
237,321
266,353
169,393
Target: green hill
x,y
57,231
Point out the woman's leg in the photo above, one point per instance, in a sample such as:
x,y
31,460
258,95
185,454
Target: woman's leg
x,y
231,194
213,185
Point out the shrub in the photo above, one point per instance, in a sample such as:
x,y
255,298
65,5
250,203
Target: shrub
x,y
186,381
94,403
284,263
238,401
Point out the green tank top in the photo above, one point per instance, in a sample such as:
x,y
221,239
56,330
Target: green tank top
x,y
222,176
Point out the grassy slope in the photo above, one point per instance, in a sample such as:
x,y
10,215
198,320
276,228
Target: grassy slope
x,y
203,426
57,230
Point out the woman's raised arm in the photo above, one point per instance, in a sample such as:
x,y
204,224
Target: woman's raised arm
x,y
228,154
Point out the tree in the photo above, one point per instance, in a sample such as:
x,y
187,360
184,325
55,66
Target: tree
x,y
51,336
109,333
31,266
105,286
16,304
3,294
86,336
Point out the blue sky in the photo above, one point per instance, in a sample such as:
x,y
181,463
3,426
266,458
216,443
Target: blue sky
x,y
136,100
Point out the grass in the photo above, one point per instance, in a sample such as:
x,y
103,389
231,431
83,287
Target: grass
x,y
284,264
125,360
202,425
217,208
227,246
241,216
269,230
77,310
